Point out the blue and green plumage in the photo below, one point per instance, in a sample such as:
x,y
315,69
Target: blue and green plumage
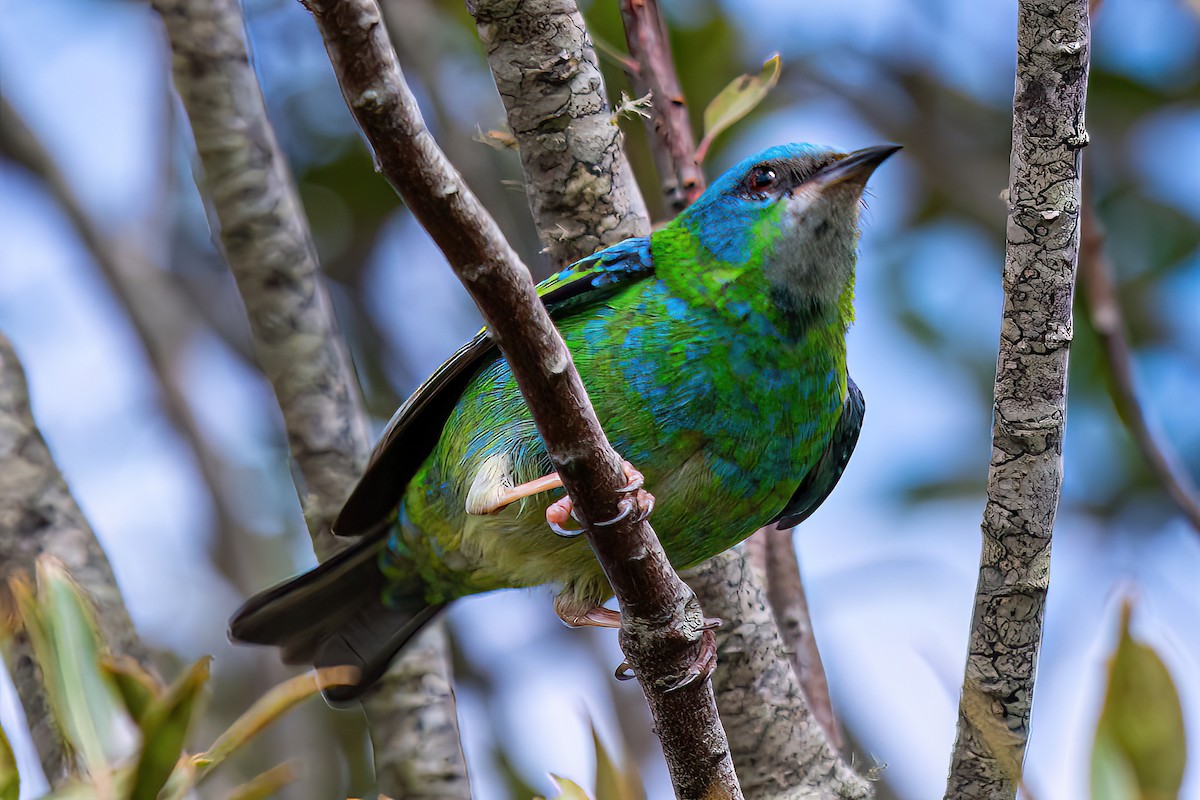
x,y
714,355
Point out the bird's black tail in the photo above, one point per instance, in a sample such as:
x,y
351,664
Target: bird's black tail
x,y
334,615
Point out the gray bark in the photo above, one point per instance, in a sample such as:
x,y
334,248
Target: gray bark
x,y
38,515
1025,477
265,238
780,750
580,186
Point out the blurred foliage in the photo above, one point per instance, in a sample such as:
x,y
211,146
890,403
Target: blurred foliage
x,y
1141,747
125,728
10,780
735,101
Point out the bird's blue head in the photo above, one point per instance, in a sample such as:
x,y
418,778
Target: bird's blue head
x,y
791,210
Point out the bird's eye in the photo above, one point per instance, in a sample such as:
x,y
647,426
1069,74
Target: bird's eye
x,y
762,177
760,181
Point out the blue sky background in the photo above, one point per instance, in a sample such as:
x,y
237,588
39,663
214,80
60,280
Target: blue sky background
x,y
889,561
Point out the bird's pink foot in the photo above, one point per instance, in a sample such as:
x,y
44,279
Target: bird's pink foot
x,y
598,617
637,501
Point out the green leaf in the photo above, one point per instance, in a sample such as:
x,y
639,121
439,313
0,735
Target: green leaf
x,y
267,709
63,632
10,779
613,782
737,100
138,688
164,731
1141,745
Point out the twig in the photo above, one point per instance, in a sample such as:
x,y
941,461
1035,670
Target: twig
x,y
580,186
1025,477
770,550
39,515
266,240
779,745
1096,281
672,142
661,627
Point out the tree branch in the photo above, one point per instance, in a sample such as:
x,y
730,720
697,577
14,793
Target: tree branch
x,y
672,142
266,240
581,188
661,620
780,748
773,555
1025,477
1096,280
39,515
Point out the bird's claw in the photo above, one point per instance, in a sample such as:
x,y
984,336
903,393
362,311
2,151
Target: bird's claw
x,y
559,512
637,503
705,662
700,670
636,479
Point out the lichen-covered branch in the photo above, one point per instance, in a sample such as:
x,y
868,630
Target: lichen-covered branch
x,y
661,620
265,238
39,515
771,552
779,747
1104,310
1025,477
672,142
581,188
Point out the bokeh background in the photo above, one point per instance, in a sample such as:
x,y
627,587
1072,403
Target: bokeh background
x,y
889,561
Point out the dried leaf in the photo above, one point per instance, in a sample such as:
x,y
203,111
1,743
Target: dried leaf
x,y
1141,745
266,784
737,100
268,708
164,732
497,140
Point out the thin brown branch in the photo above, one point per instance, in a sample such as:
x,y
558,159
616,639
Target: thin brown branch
x,y
661,629
772,553
38,515
672,142
780,748
580,186
1025,477
1096,281
266,240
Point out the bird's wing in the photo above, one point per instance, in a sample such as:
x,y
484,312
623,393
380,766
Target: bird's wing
x,y
821,479
415,428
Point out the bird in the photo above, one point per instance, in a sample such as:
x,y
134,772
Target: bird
x,y
714,354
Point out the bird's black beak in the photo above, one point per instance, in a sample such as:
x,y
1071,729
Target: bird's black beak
x,y
854,168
